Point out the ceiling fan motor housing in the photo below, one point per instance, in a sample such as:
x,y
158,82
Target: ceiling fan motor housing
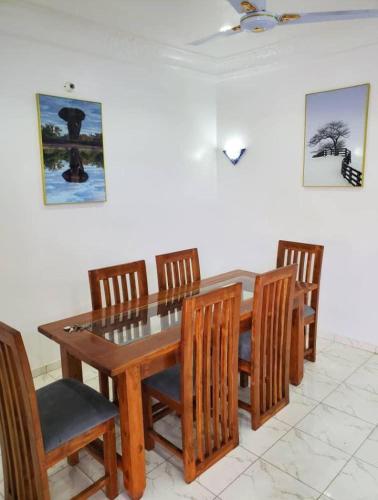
x,y
258,21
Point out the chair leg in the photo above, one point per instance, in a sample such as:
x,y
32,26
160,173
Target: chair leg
x,y
243,379
104,384
110,462
312,342
255,405
149,443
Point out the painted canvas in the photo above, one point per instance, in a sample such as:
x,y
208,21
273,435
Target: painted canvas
x,y
335,137
71,149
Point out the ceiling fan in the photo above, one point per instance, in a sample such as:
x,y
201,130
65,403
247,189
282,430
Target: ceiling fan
x,y
256,19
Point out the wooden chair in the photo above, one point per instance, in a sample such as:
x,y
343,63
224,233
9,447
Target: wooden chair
x,y
40,428
178,269
264,354
116,285
309,259
203,388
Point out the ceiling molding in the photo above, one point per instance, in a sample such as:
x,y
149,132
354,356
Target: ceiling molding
x,y
24,19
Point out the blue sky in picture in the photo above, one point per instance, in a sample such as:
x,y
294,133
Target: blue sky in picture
x,y
50,106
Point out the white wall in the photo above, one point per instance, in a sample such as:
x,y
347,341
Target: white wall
x,y
165,191
264,200
159,135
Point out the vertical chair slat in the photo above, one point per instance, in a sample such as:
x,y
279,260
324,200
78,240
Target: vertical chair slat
x,y
125,291
9,409
216,368
117,295
188,271
21,427
176,274
278,345
182,278
108,298
169,275
198,343
223,364
10,466
207,379
133,287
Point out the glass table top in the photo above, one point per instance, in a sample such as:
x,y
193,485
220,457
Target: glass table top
x,y
136,324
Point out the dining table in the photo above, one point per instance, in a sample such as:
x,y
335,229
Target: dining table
x,y
134,340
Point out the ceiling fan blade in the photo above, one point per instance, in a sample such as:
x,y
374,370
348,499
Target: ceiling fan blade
x,y
220,34
320,17
243,6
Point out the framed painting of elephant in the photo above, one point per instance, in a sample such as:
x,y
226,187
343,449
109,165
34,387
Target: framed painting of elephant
x,y
72,151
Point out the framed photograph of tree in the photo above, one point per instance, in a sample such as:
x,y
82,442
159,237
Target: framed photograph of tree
x,y
72,152
335,137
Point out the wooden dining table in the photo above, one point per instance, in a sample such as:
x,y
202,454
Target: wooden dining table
x,y
132,341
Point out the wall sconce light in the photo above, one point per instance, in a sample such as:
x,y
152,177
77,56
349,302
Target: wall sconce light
x,y
234,151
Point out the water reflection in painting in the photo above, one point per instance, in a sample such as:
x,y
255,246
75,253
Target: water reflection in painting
x,y
72,150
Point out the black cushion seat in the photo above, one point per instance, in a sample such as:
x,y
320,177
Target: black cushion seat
x,y
245,346
167,382
68,408
308,311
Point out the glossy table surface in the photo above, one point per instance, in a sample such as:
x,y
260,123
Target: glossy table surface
x,y
115,337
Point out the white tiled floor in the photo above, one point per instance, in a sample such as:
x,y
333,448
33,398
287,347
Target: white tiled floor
x,y
324,445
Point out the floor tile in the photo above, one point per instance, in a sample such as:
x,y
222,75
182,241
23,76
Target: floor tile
x,y
221,474
42,380
315,386
357,481
336,428
259,441
298,408
56,374
67,483
331,366
169,431
323,343
348,353
369,450
307,459
167,482
366,378
373,360
263,481
355,402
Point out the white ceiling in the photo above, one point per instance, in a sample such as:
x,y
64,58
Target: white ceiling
x,y
173,24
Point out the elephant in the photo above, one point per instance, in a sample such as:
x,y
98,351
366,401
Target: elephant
x,y
73,117
76,172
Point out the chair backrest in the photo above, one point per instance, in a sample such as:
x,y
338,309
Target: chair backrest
x,y
308,258
271,334
209,360
118,284
20,430
178,268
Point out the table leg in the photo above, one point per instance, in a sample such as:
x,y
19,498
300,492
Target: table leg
x,y
297,343
132,432
71,368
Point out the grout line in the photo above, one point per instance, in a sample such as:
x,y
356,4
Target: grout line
x,y
361,459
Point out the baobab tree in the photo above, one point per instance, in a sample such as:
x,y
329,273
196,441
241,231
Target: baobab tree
x,y
331,135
